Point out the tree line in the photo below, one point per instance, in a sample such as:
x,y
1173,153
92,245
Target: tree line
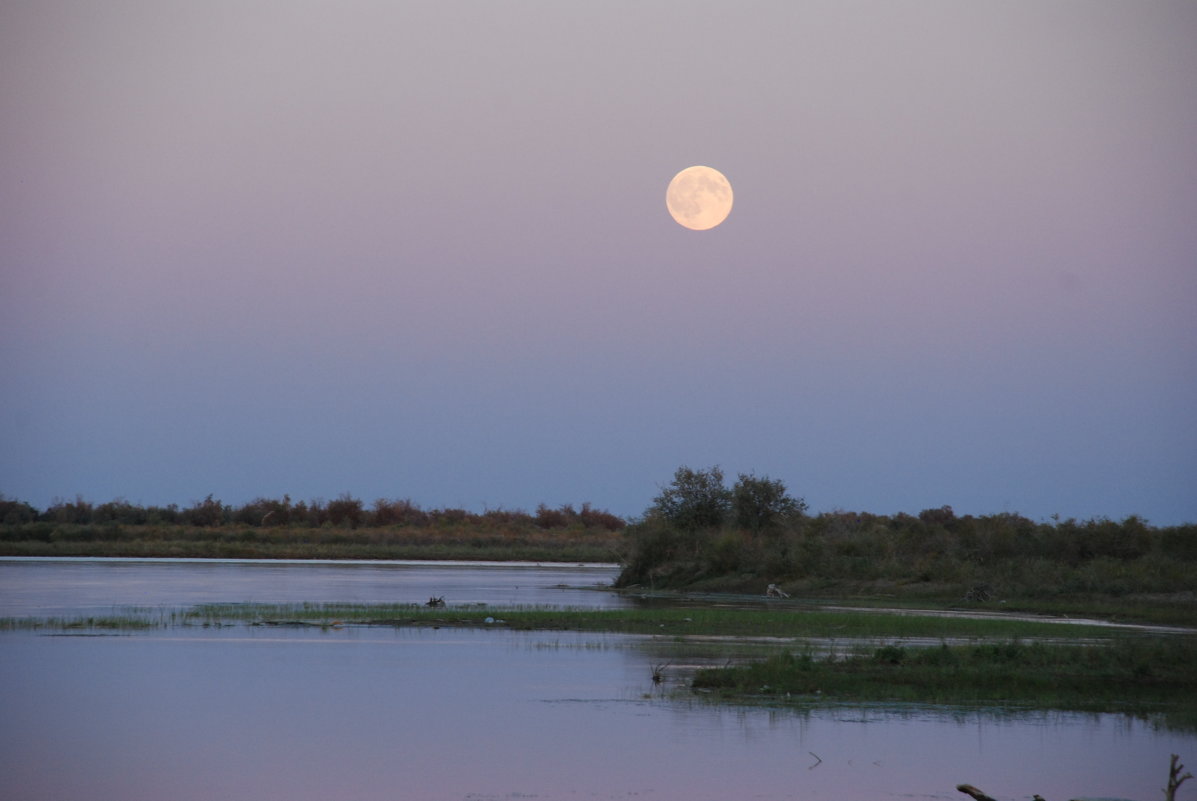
x,y
699,533
344,511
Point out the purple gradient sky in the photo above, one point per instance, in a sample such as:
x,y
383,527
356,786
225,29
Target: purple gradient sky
x,y
421,250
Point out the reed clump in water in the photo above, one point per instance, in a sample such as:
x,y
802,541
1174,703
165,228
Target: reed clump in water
x,y
1126,673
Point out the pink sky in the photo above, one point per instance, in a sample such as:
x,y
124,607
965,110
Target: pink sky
x,y
421,250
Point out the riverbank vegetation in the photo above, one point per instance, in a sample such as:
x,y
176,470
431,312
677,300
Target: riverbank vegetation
x,y
344,528
698,536
701,535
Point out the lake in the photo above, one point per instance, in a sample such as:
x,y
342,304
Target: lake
x,y
417,713
49,587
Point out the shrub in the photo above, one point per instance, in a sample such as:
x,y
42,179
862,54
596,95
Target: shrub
x,y
162,514
696,499
943,516
1179,542
345,511
725,554
1126,540
447,517
655,547
507,518
208,512
398,513
553,518
600,518
119,511
66,512
762,504
13,512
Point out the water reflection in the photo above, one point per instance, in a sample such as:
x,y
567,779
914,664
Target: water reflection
x,y
435,714
69,587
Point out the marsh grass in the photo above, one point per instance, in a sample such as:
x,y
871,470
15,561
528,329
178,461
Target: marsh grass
x,y
1136,675
671,622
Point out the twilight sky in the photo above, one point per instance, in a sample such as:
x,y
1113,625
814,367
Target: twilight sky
x,y
420,250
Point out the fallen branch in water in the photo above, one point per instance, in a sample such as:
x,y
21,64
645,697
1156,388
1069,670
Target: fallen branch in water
x,y
1175,780
968,789
980,796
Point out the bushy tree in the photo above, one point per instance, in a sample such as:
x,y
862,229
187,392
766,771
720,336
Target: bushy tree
x,y
763,503
208,512
119,511
345,511
695,500
60,511
600,518
397,513
13,512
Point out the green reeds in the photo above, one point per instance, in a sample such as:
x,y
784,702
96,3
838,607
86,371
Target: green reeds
x,y
1135,675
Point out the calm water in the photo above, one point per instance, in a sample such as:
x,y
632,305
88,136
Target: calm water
x,y
367,713
71,587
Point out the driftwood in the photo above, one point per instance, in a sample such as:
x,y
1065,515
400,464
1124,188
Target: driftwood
x,y
1175,780
776,592
968,789
435,602
980,796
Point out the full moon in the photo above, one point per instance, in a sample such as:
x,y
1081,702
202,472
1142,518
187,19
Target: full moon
x,y
699,198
